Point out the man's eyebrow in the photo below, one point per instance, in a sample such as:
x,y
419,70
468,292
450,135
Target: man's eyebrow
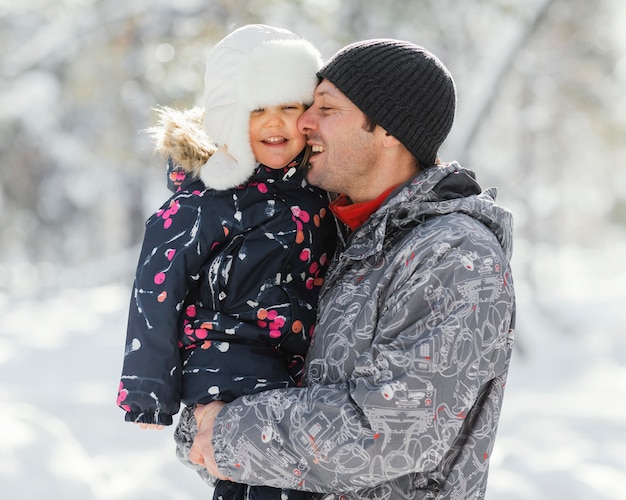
x,y
324,93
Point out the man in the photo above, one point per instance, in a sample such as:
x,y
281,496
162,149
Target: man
x,y
405,376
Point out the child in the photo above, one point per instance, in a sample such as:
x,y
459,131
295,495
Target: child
x,y
226,288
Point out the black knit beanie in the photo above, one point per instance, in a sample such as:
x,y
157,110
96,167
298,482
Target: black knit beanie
x,y
400,86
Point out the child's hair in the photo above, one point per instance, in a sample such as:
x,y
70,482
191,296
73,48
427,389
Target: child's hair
x,y
254,67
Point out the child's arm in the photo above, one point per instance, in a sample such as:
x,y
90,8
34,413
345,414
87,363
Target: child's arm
x,y
174,247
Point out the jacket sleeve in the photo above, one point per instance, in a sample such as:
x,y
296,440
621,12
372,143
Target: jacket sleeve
x,y
175,239
438,348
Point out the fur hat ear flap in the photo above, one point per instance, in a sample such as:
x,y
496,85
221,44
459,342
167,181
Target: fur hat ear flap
x,y
222,171
233,163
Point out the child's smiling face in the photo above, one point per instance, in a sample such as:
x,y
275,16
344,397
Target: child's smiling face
x,y
274,135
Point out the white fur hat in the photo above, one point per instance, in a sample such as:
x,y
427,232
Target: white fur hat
x,y
253,67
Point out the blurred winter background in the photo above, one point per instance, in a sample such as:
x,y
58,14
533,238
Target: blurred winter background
x,y
541,115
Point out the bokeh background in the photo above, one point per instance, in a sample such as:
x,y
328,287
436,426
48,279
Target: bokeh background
x,y
541,115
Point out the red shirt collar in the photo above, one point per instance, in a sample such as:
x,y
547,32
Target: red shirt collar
x,y
355,214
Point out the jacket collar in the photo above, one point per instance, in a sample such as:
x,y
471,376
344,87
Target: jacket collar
x,y
355,214
441,190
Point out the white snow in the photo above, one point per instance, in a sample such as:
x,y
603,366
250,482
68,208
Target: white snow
x,y
62,436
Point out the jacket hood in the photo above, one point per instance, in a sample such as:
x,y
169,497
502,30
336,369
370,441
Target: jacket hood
x,y
441,190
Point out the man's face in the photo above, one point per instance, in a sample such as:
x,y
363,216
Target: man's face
x,y
344,153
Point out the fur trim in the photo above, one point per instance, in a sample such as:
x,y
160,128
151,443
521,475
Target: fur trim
x,y
180,135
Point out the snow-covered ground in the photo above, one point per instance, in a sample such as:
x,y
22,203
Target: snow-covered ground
x,y
61,435
562,433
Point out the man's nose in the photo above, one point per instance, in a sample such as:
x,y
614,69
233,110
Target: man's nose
x,y
306,121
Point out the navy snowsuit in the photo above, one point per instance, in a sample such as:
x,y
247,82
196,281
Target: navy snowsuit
x,y
225,292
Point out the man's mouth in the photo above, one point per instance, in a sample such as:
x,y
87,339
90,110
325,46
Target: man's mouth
x,y
316,148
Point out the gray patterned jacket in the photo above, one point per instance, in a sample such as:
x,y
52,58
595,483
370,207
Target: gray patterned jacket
x,y
405,376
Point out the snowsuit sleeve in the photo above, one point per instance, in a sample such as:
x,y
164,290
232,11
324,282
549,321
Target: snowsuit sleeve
x,y
176,242
424,372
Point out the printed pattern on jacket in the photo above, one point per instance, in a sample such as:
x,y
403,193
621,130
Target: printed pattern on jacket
x,y
225,293
404,379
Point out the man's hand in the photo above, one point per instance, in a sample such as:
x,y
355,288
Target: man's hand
x,y
201,452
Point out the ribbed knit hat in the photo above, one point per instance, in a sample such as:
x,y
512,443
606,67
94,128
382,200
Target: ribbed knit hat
x,y
400,86
253,67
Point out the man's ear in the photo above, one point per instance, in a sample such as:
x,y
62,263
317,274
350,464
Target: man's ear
x,y
389,141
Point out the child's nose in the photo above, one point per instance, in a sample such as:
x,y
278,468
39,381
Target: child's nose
x,y
274,118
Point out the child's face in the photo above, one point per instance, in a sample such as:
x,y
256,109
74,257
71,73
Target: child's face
x,y
274,134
